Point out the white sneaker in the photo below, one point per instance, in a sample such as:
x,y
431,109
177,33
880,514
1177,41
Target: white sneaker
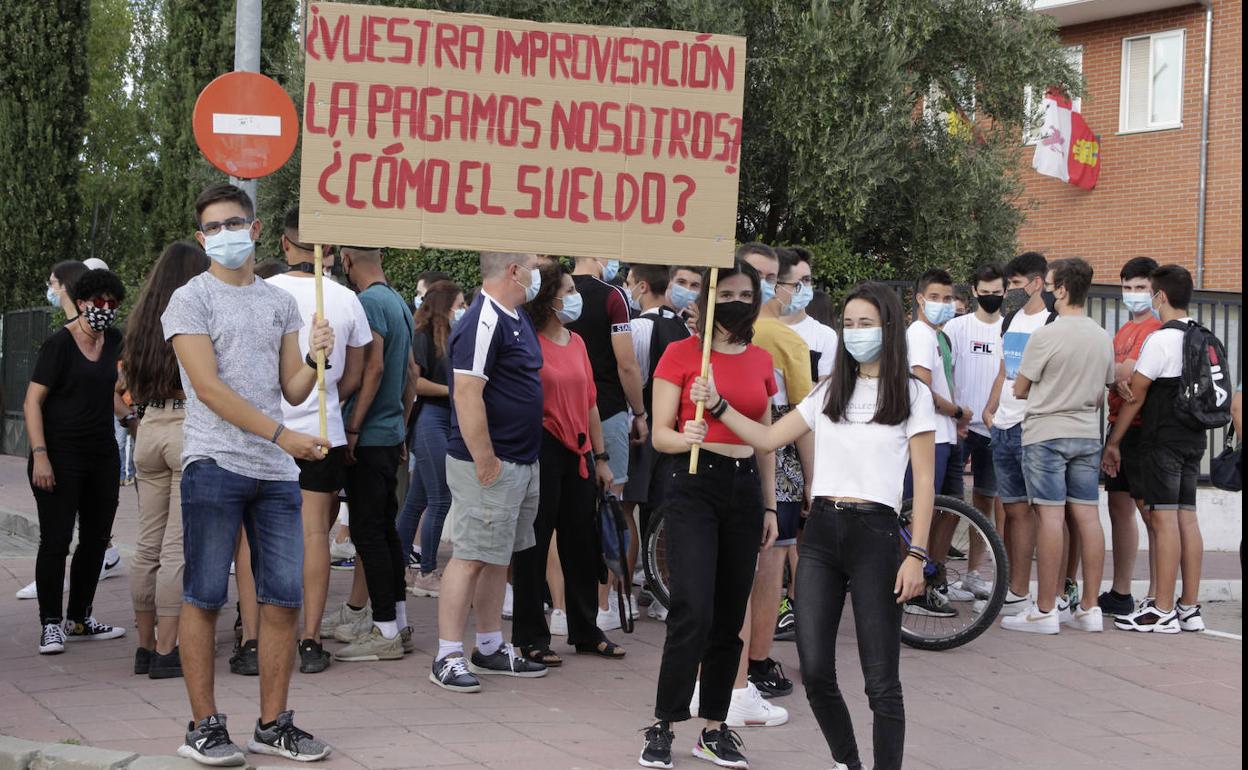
x,y
112,564
558,623
657,612
749,709
343,550
1149,619
613,602
508,603
31,590
1065,609
1085,620
957,592
1033,621
639,576
608,619
1189,617
693,702
972,582
1014,603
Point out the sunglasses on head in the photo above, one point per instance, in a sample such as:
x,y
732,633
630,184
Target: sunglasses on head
x,y
103,302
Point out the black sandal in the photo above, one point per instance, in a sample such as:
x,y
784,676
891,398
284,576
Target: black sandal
x,y
540,653
603,649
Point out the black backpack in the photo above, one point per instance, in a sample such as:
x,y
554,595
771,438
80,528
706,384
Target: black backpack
x,y
668,328
1204,398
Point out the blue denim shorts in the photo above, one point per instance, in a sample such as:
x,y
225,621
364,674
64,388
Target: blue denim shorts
x,y
616,430
215,503
1064,470
1007,461
978,449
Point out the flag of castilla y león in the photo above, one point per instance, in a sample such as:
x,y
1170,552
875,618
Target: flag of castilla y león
x,y
1067,148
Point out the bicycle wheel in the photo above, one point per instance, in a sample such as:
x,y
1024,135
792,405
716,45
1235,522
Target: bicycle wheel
x,y
654,559
960,605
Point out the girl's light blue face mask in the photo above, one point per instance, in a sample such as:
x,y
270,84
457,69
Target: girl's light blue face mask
x,y
458,314
572,306
54,299
864,344
682,296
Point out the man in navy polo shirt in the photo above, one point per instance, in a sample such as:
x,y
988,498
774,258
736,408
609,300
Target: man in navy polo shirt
x,y
491,469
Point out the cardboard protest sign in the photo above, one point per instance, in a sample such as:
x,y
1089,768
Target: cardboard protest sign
x,y
423,128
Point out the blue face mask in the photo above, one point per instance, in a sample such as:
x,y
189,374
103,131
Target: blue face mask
x,y
572,305
230,248
1137,301
938,313
457,315
769,291
417,301
682,296
634,304
535,285
610,270
54,299
864,344
801,298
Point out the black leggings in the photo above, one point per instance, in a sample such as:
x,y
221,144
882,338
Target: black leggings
x,y
372,488
858,547
714,525
569,505
86,489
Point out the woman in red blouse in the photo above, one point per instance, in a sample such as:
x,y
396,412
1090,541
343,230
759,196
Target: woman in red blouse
x,y
569,482
716,520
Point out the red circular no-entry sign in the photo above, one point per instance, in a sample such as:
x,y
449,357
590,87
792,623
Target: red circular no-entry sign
x,y
245,124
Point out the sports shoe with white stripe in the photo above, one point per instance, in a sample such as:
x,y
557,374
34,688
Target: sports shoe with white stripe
x,y
1149,619
208,743
91,630
1091,620
1014,603
748,709
1189,617
283,739
52,639
1033,621
451,673
721,747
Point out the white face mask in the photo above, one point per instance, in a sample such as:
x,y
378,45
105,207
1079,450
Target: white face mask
x,y
535,285
230,248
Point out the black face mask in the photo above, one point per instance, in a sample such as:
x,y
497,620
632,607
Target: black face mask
x,y
1049,301
991,303
737,318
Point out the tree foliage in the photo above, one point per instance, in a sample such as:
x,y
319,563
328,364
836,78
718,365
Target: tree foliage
x,y
43,88
884,134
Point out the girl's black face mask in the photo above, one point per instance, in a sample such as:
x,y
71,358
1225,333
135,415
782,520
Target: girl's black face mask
x,y
737,318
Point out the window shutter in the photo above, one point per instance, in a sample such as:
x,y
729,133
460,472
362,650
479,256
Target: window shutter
x,y
1138,77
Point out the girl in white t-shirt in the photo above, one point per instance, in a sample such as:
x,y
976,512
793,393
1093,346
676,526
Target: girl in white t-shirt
x,y
870,419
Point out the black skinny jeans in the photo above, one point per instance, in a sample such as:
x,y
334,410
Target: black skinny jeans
x,y
86,489
569,504
858,547
714,524
372,487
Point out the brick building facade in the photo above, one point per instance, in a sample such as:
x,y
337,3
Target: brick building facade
x,y
1146,200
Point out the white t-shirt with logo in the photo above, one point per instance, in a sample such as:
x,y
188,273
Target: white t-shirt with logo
x,y
924,349
1162,354
1011,410
822,341
856,457
975,364
346,315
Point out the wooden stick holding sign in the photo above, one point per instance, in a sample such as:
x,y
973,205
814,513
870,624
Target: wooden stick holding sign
x,y
708,336
321,407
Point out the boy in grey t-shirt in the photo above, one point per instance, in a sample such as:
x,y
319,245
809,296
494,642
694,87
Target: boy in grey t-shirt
x,y
237,343
1063,375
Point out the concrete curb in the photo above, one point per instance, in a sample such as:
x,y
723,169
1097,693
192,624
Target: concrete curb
x,y
20,754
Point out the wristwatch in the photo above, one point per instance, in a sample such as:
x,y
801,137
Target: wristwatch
x,y
958,414
602,457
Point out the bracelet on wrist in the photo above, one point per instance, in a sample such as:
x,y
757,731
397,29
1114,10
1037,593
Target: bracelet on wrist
x,y
922,558
310,361
39,450
280,430
720,407
770,510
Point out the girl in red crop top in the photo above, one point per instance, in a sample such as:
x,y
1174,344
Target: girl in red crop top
x,y
715,520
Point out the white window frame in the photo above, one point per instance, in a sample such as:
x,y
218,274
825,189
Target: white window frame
x,y
1030,137
1124,85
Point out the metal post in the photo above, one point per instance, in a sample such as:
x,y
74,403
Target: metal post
x,y
1203,183
247,57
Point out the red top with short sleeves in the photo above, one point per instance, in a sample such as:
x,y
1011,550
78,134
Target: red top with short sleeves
x,y
746,379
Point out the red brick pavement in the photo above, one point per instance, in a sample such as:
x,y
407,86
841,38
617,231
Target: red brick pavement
x,y
1005,701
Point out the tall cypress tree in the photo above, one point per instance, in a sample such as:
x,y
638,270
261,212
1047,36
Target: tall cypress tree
x,y
197,47
43,88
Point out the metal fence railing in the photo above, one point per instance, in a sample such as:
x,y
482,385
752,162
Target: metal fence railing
x,y
21,334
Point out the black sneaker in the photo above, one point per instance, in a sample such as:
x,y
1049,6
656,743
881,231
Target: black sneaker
x,y
283,739
91,630
312,657
1114,603
451,673
768,676
956,554
932,604
722,747
786,622
658,749
505,662
246,659
208,743
143,660
166,666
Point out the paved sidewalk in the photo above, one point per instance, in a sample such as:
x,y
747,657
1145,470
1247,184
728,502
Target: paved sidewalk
x,y
1077,701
